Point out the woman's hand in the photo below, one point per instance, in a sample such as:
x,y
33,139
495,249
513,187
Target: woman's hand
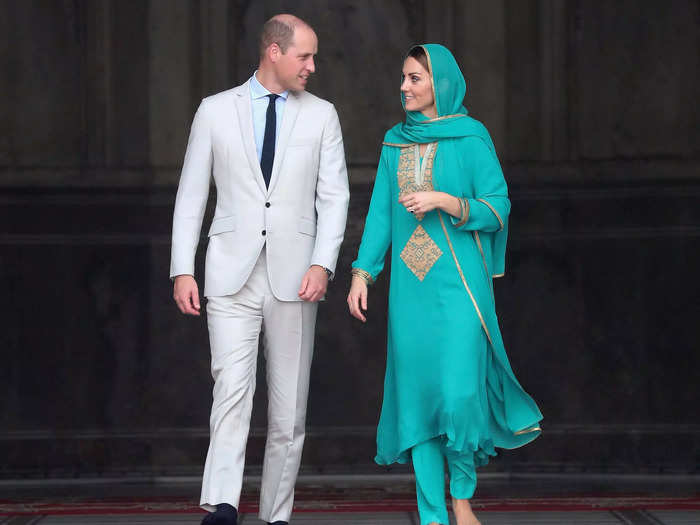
x,y
425,201
357,298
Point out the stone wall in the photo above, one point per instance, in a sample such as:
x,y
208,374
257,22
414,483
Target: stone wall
x,y
592,106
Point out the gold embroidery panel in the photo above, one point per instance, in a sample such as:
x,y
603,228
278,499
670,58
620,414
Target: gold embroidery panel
x,y
406,173
420,253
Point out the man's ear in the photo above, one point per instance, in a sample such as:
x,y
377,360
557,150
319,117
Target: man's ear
x,y
274,52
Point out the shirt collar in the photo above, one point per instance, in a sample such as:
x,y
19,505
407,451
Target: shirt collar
x,y
257,90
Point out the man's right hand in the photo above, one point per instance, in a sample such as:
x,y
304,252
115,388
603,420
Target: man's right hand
x,y
186,294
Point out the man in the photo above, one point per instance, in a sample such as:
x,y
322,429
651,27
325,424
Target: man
x,y
276,156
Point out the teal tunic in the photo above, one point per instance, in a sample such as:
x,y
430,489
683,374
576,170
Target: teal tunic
x,y
447,372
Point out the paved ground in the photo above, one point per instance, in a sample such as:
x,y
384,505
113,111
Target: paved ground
x,y
362,500
668,517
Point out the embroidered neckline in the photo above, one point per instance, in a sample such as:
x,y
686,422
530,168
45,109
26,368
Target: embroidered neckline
x,y
421,164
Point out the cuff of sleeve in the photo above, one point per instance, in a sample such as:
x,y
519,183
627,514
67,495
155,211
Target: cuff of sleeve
x,y
173,276
181,270
464,213
493,210
328,271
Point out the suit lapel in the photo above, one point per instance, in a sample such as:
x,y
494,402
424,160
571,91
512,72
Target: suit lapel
x,y
245,120
291,109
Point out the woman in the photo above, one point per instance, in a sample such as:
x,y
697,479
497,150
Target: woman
x,y
441,202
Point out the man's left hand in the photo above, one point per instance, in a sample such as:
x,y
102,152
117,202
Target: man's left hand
x,y
314,284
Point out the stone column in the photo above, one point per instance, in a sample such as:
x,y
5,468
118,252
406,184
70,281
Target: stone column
x,y
171,78
553,97
480,49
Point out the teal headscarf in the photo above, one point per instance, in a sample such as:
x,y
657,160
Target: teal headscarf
x,y
452,122
449,89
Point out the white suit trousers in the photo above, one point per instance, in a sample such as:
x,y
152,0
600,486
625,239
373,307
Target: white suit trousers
x,y
235,323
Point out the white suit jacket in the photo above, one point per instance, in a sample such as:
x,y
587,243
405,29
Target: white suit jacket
x,y
300,217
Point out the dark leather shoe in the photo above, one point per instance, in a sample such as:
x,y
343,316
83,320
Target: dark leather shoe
x,y
225,515
278,523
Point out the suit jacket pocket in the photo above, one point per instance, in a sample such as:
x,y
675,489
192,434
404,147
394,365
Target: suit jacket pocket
x,y
222,224
307,226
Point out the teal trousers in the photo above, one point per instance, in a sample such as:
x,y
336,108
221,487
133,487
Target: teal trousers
x,y
429,459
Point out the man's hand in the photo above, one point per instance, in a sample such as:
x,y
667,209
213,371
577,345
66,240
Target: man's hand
x,y
314,284
186,294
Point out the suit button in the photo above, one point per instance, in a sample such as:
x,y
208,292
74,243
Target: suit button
x,y
267,204
264,232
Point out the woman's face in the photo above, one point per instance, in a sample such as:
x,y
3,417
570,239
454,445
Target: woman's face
x,y
417,88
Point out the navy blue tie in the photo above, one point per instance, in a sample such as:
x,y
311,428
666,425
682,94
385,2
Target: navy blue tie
x,y
268,149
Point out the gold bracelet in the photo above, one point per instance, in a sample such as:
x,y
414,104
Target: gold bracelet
x,y
464,212
365,276
461,208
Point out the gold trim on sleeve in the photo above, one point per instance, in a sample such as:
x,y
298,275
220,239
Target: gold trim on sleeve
x,y
493,210
362,274
498,275
464,280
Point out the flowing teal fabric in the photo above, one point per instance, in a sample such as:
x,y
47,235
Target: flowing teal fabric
x,y
447,370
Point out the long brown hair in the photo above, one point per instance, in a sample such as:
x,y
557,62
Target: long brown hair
x,y
418,53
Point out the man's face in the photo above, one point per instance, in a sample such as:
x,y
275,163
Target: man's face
x,y
294,67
